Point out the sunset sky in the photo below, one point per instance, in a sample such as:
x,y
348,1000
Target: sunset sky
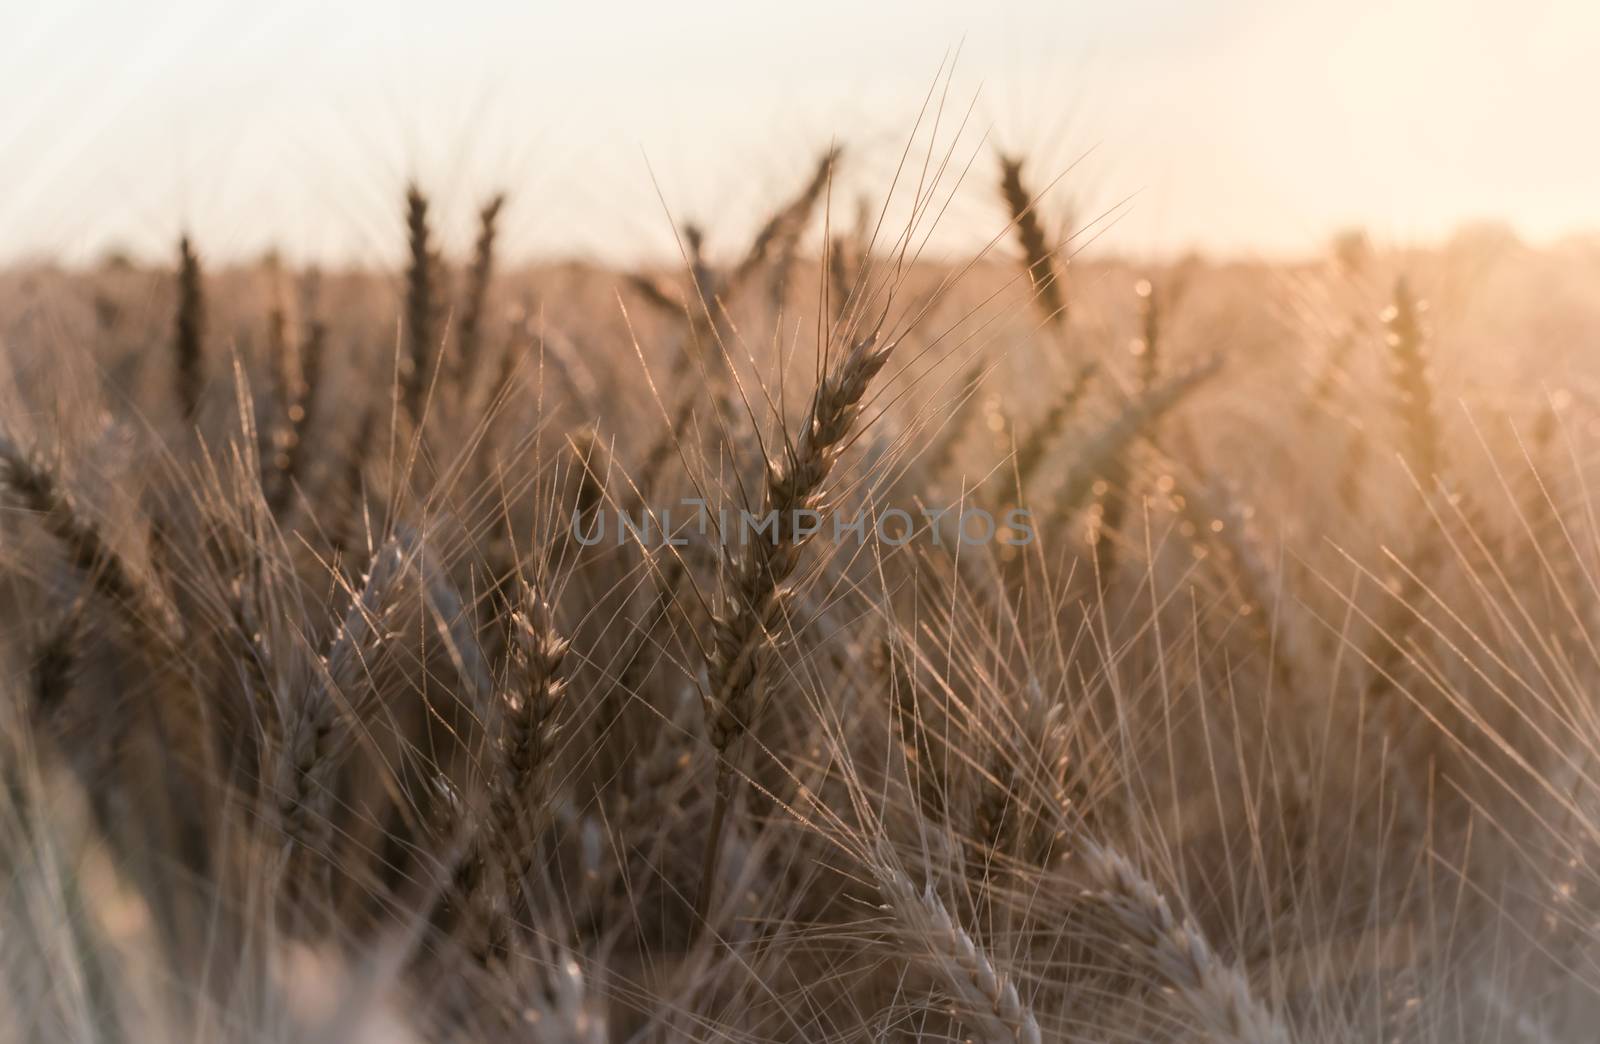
x,y
1246,127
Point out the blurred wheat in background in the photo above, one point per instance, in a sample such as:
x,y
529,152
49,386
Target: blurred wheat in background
x,y
1267,714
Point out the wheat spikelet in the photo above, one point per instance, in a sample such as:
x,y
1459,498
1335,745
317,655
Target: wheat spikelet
x,y
288,387
283,361
1217,516
591,469
1353,468
762,568
654,779
189,343
455,621
665,445
1424,451
352,484
1146,348
1217,994
756,589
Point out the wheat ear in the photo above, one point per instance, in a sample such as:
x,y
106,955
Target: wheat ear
x,y
780,236
419,304
841,276
1008,816
1037,255
301,415
530,728
471,328
316,715
190,331
786,224
658,294
1102,453
35,483
1031,451
1413,388
757,590
1324,388
1114,504
988,996
1424,454
1217,993
288,390
942,444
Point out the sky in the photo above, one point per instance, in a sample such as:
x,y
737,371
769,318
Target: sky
x,y
1243,127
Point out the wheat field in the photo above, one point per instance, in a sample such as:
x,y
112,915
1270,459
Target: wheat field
x,y
1127,650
